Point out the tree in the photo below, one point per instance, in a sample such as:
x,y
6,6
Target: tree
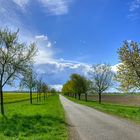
x,y
123,77
80,85
101,77
39,88
45,89
29,81
14,59
68,88
87,87
128,74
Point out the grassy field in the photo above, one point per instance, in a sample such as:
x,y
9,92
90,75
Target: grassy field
x,y
12,97
41,121
132,113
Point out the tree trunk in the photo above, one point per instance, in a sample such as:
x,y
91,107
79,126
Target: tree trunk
x,y
100,98
1,99
79,96
30,96
44,96
86,97
75,95
37,97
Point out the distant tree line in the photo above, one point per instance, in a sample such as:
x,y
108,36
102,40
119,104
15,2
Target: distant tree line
x,y
100,80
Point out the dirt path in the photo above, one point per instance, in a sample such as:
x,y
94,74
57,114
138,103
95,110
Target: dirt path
x,y
90,124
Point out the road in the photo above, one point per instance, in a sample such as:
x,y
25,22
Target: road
x,y
89,124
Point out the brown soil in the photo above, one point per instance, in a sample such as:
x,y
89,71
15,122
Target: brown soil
x,y
132,100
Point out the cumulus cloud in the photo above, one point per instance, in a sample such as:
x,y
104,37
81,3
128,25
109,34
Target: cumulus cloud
x,y
58,71
56,66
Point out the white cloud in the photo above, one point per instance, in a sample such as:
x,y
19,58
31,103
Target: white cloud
x,y
115,67
43,56
61,66
52,7
135,4
45,51
56,7
129,40
42,40
21,3
41,37
57,87
58,71
133,9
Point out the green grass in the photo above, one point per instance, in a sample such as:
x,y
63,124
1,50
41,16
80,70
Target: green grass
x,y
132,113
41,121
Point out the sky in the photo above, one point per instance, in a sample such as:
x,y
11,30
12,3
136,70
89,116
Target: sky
x,y
72,35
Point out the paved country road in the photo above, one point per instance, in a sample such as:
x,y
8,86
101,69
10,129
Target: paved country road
x,y
90,124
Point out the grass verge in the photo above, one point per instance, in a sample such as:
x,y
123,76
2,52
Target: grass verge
x,y
132,113
41,121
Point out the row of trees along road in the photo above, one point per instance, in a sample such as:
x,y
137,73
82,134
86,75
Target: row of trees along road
x,y
127,75
16,61
100,80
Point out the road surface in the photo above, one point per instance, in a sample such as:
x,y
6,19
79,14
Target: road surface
x,y
89,124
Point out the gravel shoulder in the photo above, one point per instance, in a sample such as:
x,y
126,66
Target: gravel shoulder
x,y
86,123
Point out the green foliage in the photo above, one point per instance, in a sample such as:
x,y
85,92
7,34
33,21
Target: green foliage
x,y
79,83
128,74
68,87
76,85
42,121
52,90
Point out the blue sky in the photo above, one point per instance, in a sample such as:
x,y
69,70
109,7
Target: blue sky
x,y
72,34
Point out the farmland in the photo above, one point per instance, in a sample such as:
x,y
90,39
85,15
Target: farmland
x,y
12,97
122,99
41,120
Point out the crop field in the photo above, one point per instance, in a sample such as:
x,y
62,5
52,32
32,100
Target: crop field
x,y
17,97
123,99
43,120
